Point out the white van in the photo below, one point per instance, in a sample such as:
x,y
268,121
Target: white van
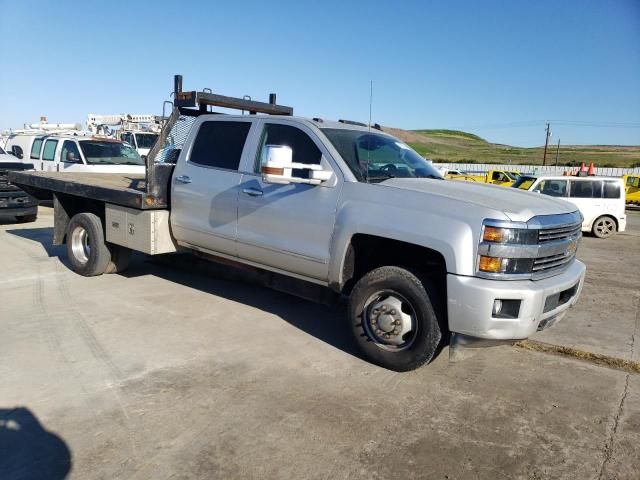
x,y
600,199
76,153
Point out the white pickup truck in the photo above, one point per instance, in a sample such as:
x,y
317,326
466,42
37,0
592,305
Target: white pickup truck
x,y
74,152
344,207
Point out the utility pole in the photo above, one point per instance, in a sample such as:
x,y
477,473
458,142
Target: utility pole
x,y
546,144
557,151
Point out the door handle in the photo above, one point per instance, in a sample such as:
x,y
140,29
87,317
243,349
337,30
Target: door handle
x,y
183,179
254,192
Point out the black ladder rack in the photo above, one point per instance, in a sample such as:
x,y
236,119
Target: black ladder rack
x,y
203,99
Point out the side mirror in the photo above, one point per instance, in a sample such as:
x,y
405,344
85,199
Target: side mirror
x,y
279,167
16,151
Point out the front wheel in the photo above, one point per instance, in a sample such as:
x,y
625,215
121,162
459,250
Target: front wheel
x,y
393,320
604,227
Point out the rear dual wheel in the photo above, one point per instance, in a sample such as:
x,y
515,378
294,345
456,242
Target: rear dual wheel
x,y
87,250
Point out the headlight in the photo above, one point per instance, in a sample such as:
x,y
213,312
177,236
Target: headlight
x,y
504,265
532,250
520,236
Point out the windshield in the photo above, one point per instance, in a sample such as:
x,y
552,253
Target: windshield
x,y
385,156
146,140
114,153
512,175
524,183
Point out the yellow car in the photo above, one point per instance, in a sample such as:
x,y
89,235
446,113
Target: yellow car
x,y
632,188
505,178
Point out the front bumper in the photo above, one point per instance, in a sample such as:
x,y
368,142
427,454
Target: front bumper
x,y
471,299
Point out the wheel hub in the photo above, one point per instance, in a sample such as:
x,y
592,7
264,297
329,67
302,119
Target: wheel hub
x,y
80,245
387,322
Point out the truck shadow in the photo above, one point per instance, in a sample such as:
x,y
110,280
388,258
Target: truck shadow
x,y
43,236
28,451
326,322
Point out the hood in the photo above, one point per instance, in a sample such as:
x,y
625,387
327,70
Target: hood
x,y
6,158
518,205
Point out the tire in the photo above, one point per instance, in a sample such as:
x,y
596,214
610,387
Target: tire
x,y
393,320
604,227
120,258
27,218
86,248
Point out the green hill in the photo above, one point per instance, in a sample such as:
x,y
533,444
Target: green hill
x,y
454,146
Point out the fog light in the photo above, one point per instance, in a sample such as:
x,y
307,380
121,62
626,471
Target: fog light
x,y
497,307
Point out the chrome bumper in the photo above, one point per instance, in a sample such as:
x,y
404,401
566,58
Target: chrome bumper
x,y
542,303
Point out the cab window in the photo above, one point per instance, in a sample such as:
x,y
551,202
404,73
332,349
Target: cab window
x,y
553,188
220,144
35,149
127,137
499,176
49,150
70,152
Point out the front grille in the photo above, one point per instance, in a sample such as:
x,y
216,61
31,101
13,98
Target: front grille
x,y
565,235
543,264
559,233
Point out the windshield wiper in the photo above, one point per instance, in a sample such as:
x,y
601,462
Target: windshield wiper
x,y
386,176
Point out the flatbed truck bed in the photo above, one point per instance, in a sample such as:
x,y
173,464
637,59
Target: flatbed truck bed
x,y
127,190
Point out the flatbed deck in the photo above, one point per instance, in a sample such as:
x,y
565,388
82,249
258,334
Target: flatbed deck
x,y
128,190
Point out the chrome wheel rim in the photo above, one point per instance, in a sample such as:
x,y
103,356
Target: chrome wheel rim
x,y
605,227
389,320
80,245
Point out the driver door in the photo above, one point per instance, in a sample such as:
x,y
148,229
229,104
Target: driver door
x,y
288,227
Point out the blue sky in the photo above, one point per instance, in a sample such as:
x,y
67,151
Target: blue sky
x,y
496,68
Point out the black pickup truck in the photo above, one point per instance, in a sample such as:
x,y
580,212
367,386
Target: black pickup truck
x,y
13,201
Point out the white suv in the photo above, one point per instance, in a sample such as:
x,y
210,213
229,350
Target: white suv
x,y
600,199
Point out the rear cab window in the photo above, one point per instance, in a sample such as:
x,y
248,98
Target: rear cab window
x,y
220,144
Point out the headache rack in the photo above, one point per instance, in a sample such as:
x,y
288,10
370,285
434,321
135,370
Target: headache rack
x,y
187,106
204,99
